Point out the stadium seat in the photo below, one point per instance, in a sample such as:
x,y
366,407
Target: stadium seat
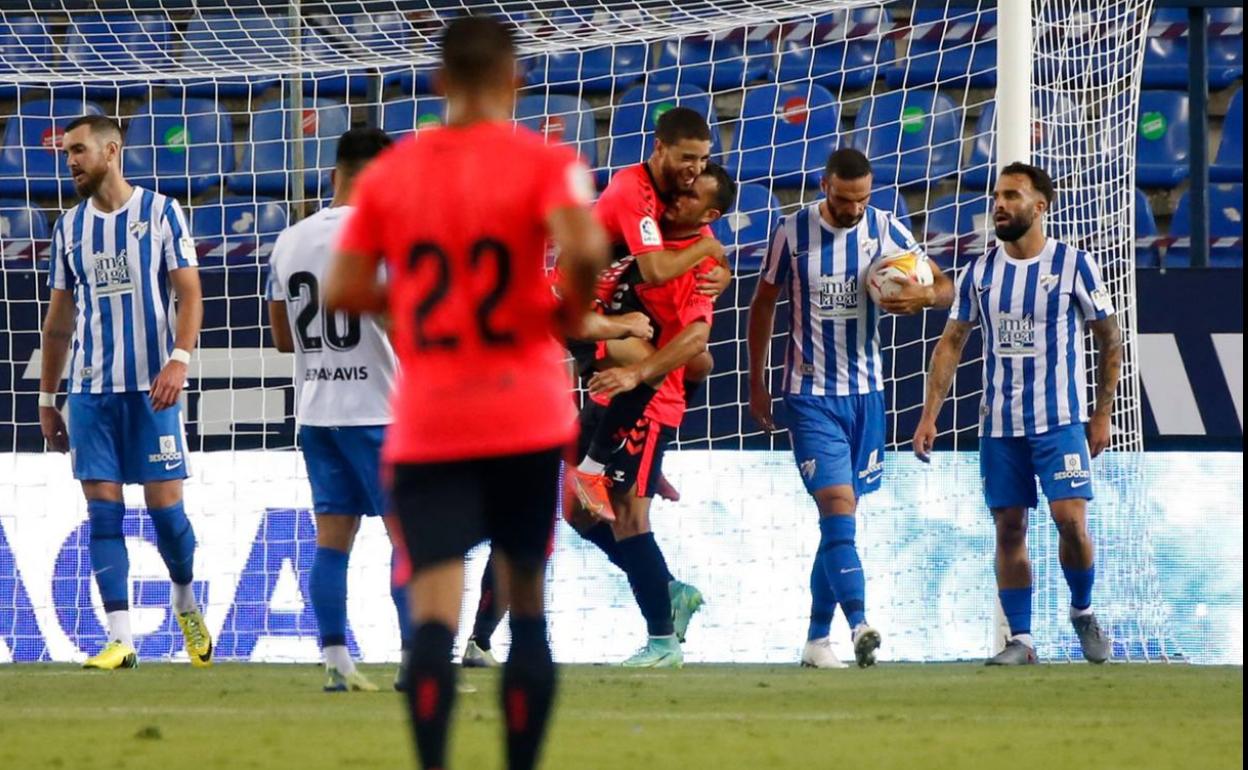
x,y
1058,154
891,199
911,137
24,230
1166,59
823,52
1228,166
238,230
956,228
1147,252
401,116
1226,228
180,147
606,69
269,153
124,42
25,46
959,54
229,38
633,120
746,230
785,134
561,118
30,162
334,38
1161,142
713,65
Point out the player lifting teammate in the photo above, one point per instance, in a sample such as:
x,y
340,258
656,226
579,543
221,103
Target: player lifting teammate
x,y
481,413
119,258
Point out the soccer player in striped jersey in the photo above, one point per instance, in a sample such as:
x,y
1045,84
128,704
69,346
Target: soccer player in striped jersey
x,y
119,260
833,377
1032,296
344,372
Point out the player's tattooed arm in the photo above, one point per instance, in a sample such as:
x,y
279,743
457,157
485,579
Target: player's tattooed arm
x,y
1108,370
945,360
58,332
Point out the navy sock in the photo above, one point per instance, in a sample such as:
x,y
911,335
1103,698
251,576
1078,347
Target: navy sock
x,y
822,601
528,691
488,612
647,574
176,541
328,586
430,692
621,414
402,607
109,559
1016,602
1080,582
843,567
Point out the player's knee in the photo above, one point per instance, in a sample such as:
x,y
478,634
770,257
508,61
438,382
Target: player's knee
x,y
1071,527
698,368
337,532
162,494
1011,530
836,501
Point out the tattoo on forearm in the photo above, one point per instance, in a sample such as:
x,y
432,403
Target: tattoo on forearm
x,y
1109,366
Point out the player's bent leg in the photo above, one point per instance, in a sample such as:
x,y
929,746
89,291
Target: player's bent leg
x,y
838,551
648,576
490,610
175,540
110,562
817,652
1014,589
1076,556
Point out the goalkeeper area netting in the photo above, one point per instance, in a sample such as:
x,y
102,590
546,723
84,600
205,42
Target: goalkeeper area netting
x,y
234,109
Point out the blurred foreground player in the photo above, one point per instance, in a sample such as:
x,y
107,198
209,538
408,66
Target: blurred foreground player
x,y
482,414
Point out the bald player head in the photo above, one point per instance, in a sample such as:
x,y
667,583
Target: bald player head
x,y
92,147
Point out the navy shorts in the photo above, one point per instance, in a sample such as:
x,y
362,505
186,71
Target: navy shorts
x,y
837,440
118,437
344,468
1009,467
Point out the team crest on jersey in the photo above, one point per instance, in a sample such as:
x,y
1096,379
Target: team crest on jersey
x,y
838,298
112,273
1049,282
138,228
1016,335
868,248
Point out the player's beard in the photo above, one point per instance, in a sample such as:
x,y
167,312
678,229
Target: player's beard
x,y
92,183
1014,229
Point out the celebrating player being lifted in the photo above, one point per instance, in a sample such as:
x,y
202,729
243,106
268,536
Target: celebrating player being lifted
x,y
1031,296
833,377
344,374
119,258
481,413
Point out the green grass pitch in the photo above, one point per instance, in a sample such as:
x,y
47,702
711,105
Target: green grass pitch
x,y
701,718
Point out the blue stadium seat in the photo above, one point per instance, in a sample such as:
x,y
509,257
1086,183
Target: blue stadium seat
x,y
593,71
1166,59
229,38
401,116
891,199
1226,228
561,118
713,65
823,52
746,230
100,42
911,137
30,160
1228,166
956,228
180,147
24,46
268,153
1162,150
331,38
1057,153
238,230
1146,255
23,230
786,133
633,120
958,56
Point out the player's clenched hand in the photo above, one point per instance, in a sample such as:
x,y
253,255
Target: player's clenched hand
x,y
910,300
637,325
1099,431
168,385
610,382
760,407
715,281
53,425
924,439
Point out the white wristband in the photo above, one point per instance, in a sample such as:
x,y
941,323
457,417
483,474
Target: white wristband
x,y
47,399
180,355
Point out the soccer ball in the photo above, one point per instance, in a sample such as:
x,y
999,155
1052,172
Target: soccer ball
x,y
891,273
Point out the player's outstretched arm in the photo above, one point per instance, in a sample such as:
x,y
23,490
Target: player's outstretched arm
x,y
279,327
658,267
583,249
758,340
1108,370
58,332
687,343
945,360
167,387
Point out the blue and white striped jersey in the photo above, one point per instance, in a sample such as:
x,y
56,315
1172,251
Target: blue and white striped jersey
x,y
1032,313
118,267
834,342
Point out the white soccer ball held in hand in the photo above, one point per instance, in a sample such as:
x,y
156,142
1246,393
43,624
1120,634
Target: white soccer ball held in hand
x,y
891,273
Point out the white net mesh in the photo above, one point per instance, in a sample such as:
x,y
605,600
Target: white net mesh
x,y
213,97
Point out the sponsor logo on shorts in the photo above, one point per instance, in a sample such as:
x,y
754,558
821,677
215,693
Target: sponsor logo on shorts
x,y
617,476
874,469
1073,470
168,453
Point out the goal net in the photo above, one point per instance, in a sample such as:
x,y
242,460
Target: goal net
x,y
234,109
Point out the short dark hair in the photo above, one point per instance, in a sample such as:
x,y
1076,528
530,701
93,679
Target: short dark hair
x,y
1040,178
475,48
847,163
680,123
726,189
100,125
359,145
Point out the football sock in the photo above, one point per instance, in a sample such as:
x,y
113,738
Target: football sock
x,y
430,692
337,656
1016,603
621,414
119,627
175,539
488,614
822,601
590,465
600,534
1080,582
328,588
109,559
843,567
528,691
183,598
402,608
647,575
